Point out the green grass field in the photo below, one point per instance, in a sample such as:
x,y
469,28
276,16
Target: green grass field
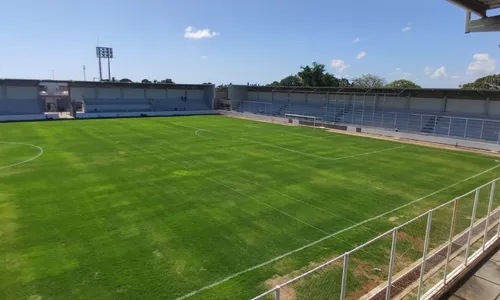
x,y
158,208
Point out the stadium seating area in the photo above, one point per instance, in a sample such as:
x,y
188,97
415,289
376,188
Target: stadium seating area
x,y
21,106
142,105
460,125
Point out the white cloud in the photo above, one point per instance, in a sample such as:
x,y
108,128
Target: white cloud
x,y
439,73
483,64
356,40
400,73
398,69
204,57
196,34
339,65
361,55
407,28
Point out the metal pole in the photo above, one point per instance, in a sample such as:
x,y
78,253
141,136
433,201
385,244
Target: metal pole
x,y
373,114
472,219
449,127
363,110
353,111
408,123
490,204
382,119
482,128
84,74
465,131
450,240
109,69
426,248
344,277
277,294
435,123
395,119
421,122
391,264
100,68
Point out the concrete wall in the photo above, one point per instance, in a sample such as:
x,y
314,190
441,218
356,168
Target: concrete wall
x,y
236,92
494,108
465,106
156,94
298,98
133,93
77,93
109,93
22,92
175,94
195,95
427,104
265,96
390,102
209,96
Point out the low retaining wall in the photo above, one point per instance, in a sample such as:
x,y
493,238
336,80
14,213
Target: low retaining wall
x,y
432,139
10,118
265,118
144,114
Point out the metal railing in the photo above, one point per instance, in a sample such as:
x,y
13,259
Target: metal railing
x,y
413,260
366,114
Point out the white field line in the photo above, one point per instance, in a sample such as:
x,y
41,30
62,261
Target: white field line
x,y
218,182
24,161
322,157
330,236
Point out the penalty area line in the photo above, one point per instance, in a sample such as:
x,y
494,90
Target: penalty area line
x,y
330,236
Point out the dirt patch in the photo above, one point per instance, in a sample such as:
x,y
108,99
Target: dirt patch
x,y
362,270
393,219
417,243
286,292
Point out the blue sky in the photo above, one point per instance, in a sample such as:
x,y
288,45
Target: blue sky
x,y
247,41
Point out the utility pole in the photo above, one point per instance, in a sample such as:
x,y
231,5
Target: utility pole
x,y
84,74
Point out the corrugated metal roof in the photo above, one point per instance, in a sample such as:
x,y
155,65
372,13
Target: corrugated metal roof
x,y
491,4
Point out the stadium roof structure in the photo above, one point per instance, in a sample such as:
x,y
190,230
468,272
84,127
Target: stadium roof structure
x,y
493,95
479,7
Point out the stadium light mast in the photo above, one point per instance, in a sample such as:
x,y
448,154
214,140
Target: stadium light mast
x,y
104,52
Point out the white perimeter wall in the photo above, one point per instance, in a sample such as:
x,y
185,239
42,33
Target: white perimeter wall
x,y
392,102
175,94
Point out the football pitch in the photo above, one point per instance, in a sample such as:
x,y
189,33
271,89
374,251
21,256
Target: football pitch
x,y
201,207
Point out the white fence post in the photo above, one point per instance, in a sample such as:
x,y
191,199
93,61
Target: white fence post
x,y
482,128
344,277
277,293
472,219
449,127
424,259
490,204
391,264
421,122
465,131
450,240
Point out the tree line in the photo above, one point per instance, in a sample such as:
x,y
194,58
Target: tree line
x,y
317,76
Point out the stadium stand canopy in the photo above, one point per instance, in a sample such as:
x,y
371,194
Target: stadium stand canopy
x,y
480,7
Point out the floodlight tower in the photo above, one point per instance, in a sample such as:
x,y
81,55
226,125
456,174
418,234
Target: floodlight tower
x,y
104,52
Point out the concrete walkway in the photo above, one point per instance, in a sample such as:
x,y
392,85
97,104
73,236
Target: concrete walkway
x,y
484,284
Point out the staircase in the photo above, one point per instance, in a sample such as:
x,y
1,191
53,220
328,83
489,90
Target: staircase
x,y
430,125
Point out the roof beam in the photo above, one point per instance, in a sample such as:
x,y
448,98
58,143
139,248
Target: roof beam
x,y
473,6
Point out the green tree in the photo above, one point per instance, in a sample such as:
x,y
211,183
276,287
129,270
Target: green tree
x,y
292,80
369,81
221,88
306,76
145,81
403,84
126,80
490,82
